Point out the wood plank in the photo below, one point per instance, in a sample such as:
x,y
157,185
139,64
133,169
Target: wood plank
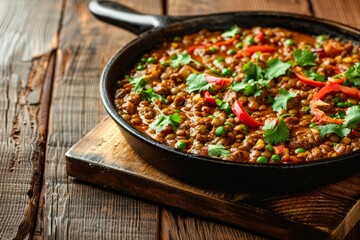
x,y
103,157
74,210
346,11
178,7
25,49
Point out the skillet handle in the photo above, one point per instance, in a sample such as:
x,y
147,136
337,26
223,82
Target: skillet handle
x,y
127,18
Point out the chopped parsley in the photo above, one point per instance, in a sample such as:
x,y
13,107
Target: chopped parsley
x,y
315,76
353,74
217,150
330,128
304,57
280,102
197,82
276,131
253,71
276,68
231,32
249,88
150,95
138,83
352,117
223,105
164,121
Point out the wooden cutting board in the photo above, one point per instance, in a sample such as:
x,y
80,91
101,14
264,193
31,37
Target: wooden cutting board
x,y
104,158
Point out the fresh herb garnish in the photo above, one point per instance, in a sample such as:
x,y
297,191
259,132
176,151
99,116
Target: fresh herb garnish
x,y
181,60
352,117
231,32
353,74
150,95
138,83
280,101
276,68
252,71
217,150
197,82
304,57
164,121
276,131
330,128
223,105
249,87
340,115
315,76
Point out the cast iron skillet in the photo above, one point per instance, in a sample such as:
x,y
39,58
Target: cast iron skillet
x,y
206,171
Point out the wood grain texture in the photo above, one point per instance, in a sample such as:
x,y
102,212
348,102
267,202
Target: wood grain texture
x,y
179,7
103,157
74,210
346,11
25,49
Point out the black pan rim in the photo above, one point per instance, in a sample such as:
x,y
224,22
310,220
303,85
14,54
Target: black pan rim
x,y
146,139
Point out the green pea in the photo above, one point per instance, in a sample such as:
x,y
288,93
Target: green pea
x,y
213,49
234,74
231,115
262,159
340,104
151,60
300,150
226,72
220,131
289,42
140,67
250,40
275,158
312,125
220,59
229,124
269,148
177,39
119,83
239,45
231,52
335,100
245,128
164,63
143,60
306,109
348,104
211,116
321,38
180,145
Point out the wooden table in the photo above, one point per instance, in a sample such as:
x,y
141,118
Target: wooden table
x,y
51,57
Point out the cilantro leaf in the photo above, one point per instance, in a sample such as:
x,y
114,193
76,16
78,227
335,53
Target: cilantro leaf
x,y
353,74
138,83
163,121
315,76
276,131
339,130
304,57
181,59
276,68
280,102
248,88
352,117
197,82
217,150
150,95
231,32
222,105
252,71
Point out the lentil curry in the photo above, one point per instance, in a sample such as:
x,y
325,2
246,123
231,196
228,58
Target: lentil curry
x,y
262,95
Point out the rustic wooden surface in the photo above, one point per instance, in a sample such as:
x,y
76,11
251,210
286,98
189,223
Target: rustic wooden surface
x,y
51,56
103,157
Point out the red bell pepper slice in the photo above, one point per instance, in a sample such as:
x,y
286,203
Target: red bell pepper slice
x,y
321,115
258,48
279,149
167,130
259,37
303,78
208,98
221,82
226,42
243,116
